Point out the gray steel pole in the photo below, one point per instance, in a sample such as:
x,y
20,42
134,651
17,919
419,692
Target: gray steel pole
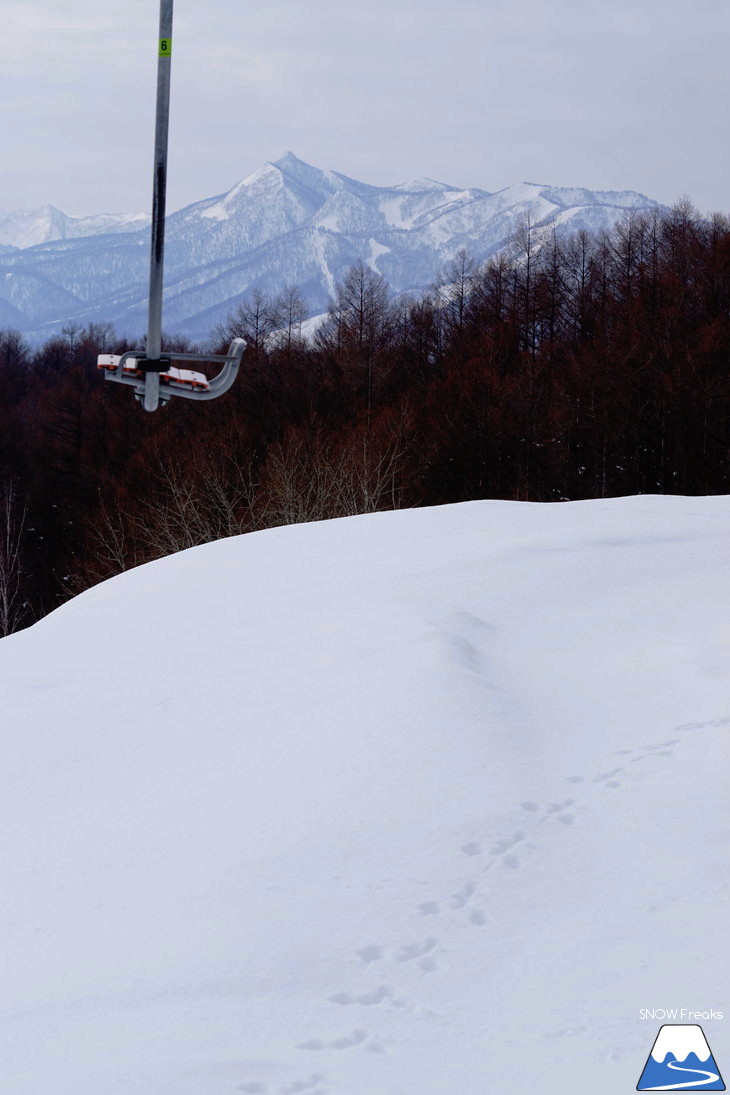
x,y
159,192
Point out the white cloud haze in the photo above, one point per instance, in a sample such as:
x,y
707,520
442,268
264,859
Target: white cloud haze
x,y
621,96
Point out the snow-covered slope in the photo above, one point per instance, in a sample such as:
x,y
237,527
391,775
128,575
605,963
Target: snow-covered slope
x,y
288,223
424,802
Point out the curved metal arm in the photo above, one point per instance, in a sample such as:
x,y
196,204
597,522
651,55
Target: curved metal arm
x,y
219,383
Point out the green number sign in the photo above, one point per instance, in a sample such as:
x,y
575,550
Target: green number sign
x,y
165,47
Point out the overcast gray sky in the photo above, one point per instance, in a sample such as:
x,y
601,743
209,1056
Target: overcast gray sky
x,y
616,95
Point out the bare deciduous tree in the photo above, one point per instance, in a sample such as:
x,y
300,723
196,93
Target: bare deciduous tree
x,y
192,506
454,286
13,514
255,319
313,479
290,310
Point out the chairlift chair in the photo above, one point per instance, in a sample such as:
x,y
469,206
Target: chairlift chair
x,y
129,369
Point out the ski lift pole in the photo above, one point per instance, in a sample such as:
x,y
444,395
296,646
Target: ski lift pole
x,y
153,364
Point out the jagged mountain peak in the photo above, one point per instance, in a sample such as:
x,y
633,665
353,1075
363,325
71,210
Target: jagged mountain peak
x,y
296,170
290,170
295,166
277,196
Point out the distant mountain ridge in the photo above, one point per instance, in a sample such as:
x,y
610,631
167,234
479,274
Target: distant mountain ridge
x,y
287,223
28,227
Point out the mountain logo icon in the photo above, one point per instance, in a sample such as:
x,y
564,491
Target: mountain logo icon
x,y
680,1060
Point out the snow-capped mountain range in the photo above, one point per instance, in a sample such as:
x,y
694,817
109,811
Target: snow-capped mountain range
x,y
288,223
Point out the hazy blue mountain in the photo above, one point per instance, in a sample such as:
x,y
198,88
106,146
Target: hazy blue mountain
x,y
288,223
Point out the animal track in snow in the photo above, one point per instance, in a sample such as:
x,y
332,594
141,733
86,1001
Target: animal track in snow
x,y
555,810
657,749
409,951
304,1085
685,726
429,908
370,953
556,807
421,953
368,999
506,843
460,898
608,775
472,848
349,1040
504,851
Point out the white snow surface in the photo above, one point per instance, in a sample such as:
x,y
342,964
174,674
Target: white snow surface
x,y
420,803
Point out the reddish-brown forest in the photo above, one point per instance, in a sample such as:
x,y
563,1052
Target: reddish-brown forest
x,y
567,367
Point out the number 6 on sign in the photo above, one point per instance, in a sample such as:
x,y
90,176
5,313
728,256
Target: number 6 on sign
x,y
165,47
